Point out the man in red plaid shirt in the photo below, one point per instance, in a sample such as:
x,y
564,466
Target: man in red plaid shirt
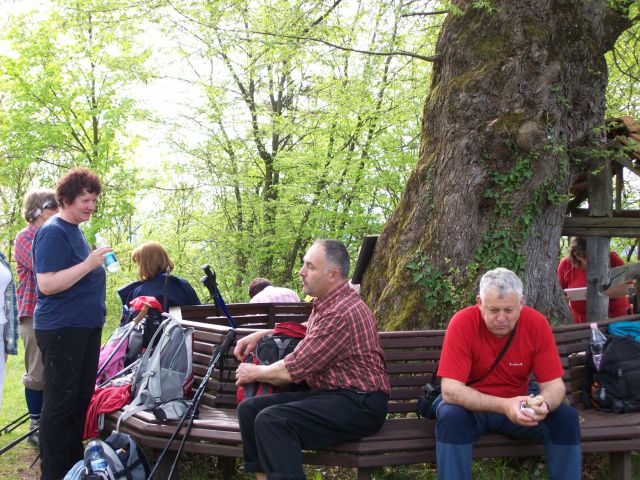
x,y
340,359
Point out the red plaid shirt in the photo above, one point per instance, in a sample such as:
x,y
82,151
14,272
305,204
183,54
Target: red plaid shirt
x,y
24,265
342,348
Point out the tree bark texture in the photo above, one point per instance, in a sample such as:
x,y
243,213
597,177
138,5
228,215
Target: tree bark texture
x,y
516,99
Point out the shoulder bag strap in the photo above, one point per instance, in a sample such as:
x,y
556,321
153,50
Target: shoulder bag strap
x,y
498,358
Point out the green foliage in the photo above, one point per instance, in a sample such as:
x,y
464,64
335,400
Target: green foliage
x,y
65,104
323,138
438,290
510,225
623,89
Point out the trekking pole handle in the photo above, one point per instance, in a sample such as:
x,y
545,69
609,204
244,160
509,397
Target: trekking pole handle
x,y
209,281
226,344
142,313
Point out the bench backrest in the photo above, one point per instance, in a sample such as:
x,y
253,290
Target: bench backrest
x,y
411,356
252,315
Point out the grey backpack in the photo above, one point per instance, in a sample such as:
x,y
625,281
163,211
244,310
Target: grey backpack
x,y
165,373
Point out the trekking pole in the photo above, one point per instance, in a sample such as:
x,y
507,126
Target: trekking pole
x,y
209,281
8,447
216,356
15,424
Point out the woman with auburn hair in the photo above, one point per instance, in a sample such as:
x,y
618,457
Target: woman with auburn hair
x,y
572,273
68,319
153,264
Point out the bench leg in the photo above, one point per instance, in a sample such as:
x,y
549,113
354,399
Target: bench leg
x,y
620,465
365,473
227,466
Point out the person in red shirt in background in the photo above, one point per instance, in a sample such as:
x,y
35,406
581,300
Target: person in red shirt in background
x,y
38,206
481,395
340,359
572,273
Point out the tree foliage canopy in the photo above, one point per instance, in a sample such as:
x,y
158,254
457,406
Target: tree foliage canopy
x,y
233,132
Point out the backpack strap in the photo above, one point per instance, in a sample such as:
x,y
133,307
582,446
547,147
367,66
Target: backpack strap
x,y
126,471
128,413
498,358
282,344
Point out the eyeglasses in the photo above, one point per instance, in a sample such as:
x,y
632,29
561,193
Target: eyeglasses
x,y
50,204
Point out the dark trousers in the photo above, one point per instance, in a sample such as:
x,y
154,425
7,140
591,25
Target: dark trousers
x,y
70,357
458,427
276,428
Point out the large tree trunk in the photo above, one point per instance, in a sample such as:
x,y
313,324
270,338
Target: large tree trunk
x,y
516,100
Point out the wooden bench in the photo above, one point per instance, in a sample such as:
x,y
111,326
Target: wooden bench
x,y
404,439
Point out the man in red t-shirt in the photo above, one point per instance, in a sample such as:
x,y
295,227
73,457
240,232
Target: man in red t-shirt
x,y
340,359
477,398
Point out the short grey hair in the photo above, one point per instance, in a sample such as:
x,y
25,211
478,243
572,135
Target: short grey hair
x,y
502,280
336,254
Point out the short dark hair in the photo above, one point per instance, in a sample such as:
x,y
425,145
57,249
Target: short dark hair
x,y
257,285
336,254
74,182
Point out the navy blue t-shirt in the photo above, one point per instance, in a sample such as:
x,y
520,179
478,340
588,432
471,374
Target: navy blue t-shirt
x,y
59,245
179,291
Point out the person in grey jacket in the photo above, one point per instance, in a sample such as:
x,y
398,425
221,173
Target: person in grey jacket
x,y
8,318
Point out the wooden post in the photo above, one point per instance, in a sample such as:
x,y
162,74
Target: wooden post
x,y
598,268
619,185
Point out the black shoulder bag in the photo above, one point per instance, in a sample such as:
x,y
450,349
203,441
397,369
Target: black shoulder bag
x,y
432,389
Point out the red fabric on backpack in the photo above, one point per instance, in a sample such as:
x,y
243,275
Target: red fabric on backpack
x,y
290,329
138,303
104,400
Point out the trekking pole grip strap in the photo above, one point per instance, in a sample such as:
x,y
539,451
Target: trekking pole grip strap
x,y
226,344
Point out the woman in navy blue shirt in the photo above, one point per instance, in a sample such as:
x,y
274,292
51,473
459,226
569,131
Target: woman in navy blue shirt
x,y
153,261
68,319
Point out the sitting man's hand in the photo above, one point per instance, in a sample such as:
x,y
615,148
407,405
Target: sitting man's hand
x,y
246,373
527,411
248,344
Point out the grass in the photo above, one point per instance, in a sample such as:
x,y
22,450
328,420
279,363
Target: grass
x,y
16,463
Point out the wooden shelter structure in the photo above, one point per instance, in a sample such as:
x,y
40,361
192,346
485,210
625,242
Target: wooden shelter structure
x,y
605,216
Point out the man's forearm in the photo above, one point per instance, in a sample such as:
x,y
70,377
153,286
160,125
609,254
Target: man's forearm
x,y
276,374
458,393
553,392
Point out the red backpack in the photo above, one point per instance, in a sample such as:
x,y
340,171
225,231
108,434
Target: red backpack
x,y
270,349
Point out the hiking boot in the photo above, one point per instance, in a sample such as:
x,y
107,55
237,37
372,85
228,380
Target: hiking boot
x,y
34,439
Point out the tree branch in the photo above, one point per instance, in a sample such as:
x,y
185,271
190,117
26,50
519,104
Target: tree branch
x,y
432,58
424,14
624,72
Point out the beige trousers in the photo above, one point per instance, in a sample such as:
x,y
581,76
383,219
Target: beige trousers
x,y
33,377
